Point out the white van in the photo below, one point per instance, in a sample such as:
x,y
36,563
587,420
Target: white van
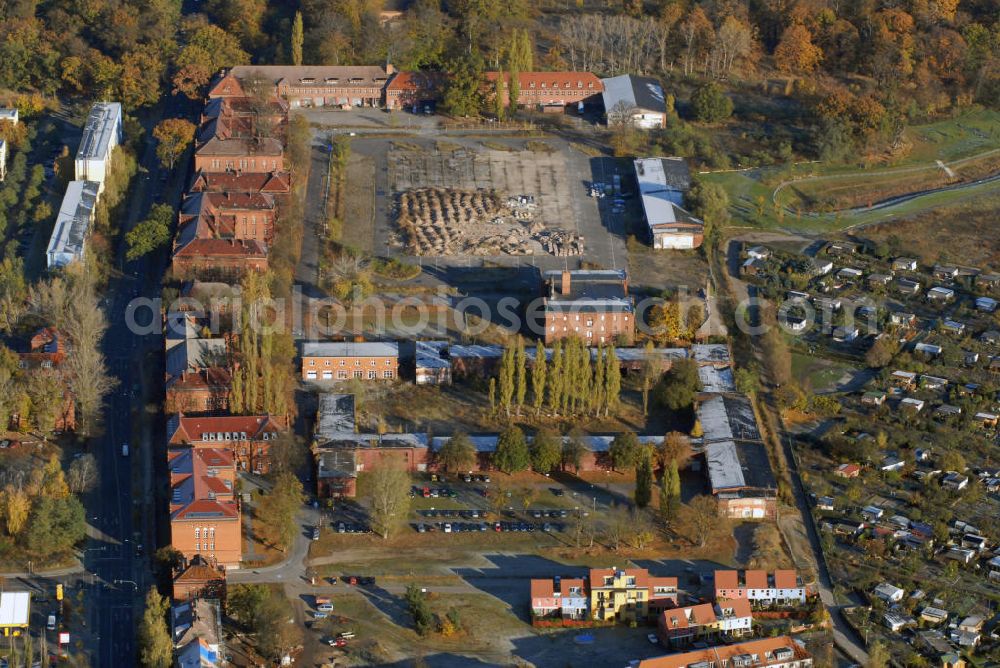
x,y
51,624
124,449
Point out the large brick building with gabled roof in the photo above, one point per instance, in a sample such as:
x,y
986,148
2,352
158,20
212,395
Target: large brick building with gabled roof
x,y
204,515
248,436
273,183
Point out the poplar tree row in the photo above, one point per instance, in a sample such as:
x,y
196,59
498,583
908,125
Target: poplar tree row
x,y
572,382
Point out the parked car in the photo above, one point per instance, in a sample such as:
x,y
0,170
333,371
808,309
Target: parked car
x,y
653,638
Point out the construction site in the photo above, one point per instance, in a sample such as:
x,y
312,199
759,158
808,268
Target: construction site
x,y
459,199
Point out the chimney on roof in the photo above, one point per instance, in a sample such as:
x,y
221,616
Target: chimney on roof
x,y
389,68
564,285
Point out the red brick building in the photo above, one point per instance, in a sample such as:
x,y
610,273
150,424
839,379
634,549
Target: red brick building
x,y
304,86
204,516
590,304
217,258
199,579
264,154
230,215
272,183
248,436
413,89
551,89
202,391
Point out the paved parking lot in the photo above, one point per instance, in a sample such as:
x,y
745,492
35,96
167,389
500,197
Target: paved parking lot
x,y
368,119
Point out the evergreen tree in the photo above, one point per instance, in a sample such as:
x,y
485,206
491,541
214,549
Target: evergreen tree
x,y
554,381
573,449
664,499
512,453
297,38
612,380
507,380
538,377
546,451
644,480
674,490
521,369
567,373
498,93
513,91
493,396
597,389
457,454
624,451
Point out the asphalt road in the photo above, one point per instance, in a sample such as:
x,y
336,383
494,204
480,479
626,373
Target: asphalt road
x,y
118,574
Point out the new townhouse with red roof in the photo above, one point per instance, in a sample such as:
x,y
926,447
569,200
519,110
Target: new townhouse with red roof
x,y
782,587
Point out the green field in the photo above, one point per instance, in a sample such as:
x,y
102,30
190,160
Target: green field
x,y
968,145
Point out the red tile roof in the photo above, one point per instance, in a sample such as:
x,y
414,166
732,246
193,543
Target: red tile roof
x,y
785,579
597,575
724,654
755,579
273,182
190,429
205,509
207,248
740,606
416,81
554,80
727,579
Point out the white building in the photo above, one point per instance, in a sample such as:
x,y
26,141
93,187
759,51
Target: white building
x,y
9,115
889,593
101,134
662,184
76,214
636,100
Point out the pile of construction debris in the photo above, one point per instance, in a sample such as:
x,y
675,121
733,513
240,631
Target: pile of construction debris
x,y
448,221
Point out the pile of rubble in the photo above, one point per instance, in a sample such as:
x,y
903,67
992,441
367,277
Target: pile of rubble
x,y
448,221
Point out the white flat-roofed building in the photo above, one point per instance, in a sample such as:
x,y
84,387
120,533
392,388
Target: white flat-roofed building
x,y
101,134
662,184
76,214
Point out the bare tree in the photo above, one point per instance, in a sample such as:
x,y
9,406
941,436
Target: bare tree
x,y
83,474
71,305
699,518
618,528
390,496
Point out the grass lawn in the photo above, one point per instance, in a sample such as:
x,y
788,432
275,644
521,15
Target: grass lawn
x,y
486,626
818,374
959,142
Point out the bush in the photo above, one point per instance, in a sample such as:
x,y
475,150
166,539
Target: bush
x,y
710,104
